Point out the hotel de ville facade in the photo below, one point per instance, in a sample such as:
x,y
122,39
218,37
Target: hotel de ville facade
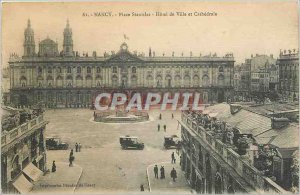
x,y
65,78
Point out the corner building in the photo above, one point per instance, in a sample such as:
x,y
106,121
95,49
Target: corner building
x,y
67,79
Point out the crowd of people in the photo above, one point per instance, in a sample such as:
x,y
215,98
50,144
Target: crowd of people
x,y
217,128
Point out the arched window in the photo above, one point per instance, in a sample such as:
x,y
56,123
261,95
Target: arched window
x,y
69,69
187,79
133,81
114,69
205,80
88,70
78,70
59,69
114,81
98,70
49,70
149,81
221,80
40,70
221,69
177,81
133,69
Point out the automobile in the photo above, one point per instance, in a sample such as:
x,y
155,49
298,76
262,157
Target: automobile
x,y
172,141
56,144
131,142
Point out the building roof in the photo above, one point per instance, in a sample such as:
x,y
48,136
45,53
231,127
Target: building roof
x,y
47,41
250,122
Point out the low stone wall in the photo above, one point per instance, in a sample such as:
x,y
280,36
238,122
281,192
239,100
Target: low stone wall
x,y
132,119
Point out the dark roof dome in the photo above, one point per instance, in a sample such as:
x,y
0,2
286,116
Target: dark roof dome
x,y
47,41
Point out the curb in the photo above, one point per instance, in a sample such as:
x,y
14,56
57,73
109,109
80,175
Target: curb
x,y
149,185
78,177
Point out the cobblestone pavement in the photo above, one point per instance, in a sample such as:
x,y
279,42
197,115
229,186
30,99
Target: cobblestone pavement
x,y
106,167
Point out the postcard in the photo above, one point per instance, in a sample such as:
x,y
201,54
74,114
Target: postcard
x,y
150,97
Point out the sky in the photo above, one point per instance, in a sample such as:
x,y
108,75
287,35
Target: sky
x,y
240,28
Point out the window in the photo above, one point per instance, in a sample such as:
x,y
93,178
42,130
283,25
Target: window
x,y
133,69
40,70
49,70
78,70
88,70
59,69
69,70
98,70
221,69
114,69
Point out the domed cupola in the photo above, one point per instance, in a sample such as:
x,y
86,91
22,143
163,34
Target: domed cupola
x,y
48,48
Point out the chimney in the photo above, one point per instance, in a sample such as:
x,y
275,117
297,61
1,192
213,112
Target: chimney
x,y
278,123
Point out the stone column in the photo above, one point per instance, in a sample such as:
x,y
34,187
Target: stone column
x,y
93,76
83,71
163,79
129,76
191,76
73,76
54,77
182,69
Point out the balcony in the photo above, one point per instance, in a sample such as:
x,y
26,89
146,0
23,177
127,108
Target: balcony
x,y
227,151
8,137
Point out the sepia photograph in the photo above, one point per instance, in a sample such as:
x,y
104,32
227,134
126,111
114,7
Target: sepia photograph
x,y
197,97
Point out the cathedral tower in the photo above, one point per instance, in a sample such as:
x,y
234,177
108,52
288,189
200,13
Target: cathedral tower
x,y
68,41
29,44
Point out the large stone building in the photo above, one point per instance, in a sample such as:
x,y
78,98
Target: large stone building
x,y
67,79
240,149
23,151
257,73
289,74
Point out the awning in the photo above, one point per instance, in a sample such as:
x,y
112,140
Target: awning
x,y
32,171
22,184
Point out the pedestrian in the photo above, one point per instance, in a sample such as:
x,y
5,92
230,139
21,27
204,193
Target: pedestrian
x,y
142,188
165,128
160,116
79,147
53,166
172,116
158,127
76,147
71,153
156,171
71,158
162,172
174,174
180,160
173,158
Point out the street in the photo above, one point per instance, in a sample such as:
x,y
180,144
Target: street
x,y
105,166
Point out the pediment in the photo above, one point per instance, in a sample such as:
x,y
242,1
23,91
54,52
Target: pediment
x,y
124,56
